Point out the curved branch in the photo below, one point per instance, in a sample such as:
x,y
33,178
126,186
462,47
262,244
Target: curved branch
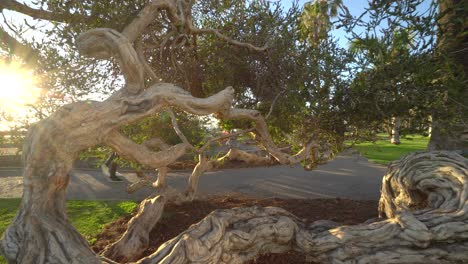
x,y
230,135
227,39
141,154
156,143
141,56
272,106
103,43
146,16
264,137
149,181
428,234
201,106
179,16
204,165
175,125
135,240
42,14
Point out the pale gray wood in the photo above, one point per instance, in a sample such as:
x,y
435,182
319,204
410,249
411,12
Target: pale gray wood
x,y
424,194
420,230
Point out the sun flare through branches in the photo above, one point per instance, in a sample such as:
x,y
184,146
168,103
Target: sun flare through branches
x,y
18,88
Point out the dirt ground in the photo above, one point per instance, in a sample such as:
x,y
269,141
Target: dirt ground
x,y
177,218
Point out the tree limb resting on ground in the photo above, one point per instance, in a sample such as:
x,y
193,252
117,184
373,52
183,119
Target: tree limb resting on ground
x,y
431,232
41,232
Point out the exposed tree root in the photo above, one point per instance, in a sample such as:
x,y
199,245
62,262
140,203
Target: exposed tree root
x,y
136,239
205,165
433,232
424,194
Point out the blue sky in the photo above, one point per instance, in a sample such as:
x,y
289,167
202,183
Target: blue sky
x,y
355,7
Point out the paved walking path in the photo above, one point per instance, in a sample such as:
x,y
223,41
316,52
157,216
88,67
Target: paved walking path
x,y
347,176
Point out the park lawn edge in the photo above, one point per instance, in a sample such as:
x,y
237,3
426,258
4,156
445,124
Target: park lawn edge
x,y
383,152
88,217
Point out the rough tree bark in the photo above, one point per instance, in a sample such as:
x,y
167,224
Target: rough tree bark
x,y
396,123
40,232
433,185
127,248
424,195
449,130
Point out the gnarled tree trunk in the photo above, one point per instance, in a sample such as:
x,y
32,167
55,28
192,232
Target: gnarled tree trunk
x,y
40,232
425,194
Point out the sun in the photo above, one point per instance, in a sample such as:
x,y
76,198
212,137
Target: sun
x,y
18,87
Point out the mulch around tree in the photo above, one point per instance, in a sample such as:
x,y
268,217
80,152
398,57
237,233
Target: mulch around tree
x,y
177,218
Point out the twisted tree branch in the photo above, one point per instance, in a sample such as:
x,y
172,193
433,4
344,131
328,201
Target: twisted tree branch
x,y
42,14
427,234
141,154
230,135
40,230
103,43
127,248
175,125
228,39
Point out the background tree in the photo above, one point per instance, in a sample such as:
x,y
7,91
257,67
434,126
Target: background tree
x,y
186,59
399,71
41,232
450,127
391,80
48,168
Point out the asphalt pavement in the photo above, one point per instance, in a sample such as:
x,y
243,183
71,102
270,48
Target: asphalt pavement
x,y
347,176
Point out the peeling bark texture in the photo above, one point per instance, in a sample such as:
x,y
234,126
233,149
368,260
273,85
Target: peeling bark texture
x,y
424,194
249,158
104,43
147,180
136,239
40,232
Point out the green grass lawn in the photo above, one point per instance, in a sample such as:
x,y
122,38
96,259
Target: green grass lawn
x,y
382,152
89,217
